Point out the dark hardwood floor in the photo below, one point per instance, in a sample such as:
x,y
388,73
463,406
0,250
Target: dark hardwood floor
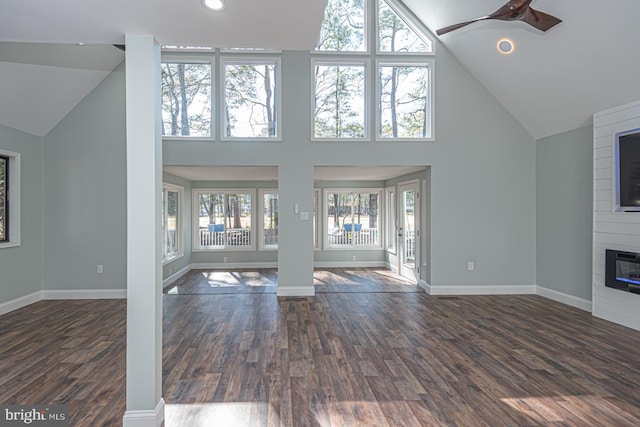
x,y
380,358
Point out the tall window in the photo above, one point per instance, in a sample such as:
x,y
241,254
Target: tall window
x,y
269,219
9,199
352,218
172,240
223,219
339,107
186,99
251,98
343,102
403,102
4,199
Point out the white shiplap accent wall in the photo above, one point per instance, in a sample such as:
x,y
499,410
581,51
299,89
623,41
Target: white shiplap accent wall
x,y
612,230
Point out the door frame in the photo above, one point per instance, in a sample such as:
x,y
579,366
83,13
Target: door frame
x,y
404,269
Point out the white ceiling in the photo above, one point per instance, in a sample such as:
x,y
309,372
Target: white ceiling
x,y
553,82
270,173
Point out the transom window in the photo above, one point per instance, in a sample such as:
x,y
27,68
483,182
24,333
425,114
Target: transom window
x,y
397,35
352,218
186,99
344,26
223,219
251,101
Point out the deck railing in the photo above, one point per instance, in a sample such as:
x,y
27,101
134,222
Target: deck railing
x,y
364,237
228,237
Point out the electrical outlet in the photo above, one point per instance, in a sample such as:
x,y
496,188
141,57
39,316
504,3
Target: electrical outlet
x,y
354,258
225,259
470,265
100,269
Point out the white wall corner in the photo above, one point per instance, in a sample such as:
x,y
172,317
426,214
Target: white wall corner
x,y
23,301
424,285
152,418
296,291
563,298
175,276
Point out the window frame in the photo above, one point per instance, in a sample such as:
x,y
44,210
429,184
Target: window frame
x,y
188,57
326,246
235,59
391,223
12,202
366,36
410,21
366,64
196,220
261,225
166,256
427,62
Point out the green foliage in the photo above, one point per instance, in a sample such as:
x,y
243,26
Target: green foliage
x,y
343,26
339,101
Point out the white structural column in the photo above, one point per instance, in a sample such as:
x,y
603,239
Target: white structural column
x,y
145,406
295,241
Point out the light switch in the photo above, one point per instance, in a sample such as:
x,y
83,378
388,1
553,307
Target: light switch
x,y
304,216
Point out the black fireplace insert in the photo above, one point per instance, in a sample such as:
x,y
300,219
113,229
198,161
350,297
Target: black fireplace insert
x,y
622,270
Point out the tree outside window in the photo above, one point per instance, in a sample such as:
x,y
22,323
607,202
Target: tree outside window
x,y
186,99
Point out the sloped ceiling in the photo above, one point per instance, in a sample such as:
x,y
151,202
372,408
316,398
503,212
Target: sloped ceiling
x,y
41,83
553,82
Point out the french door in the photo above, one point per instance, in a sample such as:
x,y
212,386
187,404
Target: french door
x,y
409,230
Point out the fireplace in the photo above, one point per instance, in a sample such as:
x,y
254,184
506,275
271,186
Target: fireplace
x,y
622,270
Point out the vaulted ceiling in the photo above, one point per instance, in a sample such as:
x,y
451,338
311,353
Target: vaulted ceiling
x,y
552,82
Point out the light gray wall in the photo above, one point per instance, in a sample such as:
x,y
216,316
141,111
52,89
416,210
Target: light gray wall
x,y
21,266
84,192
171,267
564,212
482,186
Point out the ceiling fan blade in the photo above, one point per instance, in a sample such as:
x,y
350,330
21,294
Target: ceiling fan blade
x,y
540,20
450,28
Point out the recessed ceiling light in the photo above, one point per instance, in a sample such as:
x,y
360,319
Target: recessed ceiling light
x,y
505,46
215,5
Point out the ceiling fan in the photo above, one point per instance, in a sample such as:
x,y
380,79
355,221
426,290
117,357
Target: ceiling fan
x,y
515,10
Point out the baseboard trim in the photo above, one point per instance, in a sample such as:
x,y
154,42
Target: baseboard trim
x,y
483,290
296,291
175,276
350,264
424,285
20,302
84,294
152,418
228,265
563,298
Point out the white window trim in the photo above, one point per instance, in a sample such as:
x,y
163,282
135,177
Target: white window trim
x,y
251,60
429,63
167,258
391,224
317,220
366,35
381,218
261,193
14,194
196,219
186,57
411,21
366,63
